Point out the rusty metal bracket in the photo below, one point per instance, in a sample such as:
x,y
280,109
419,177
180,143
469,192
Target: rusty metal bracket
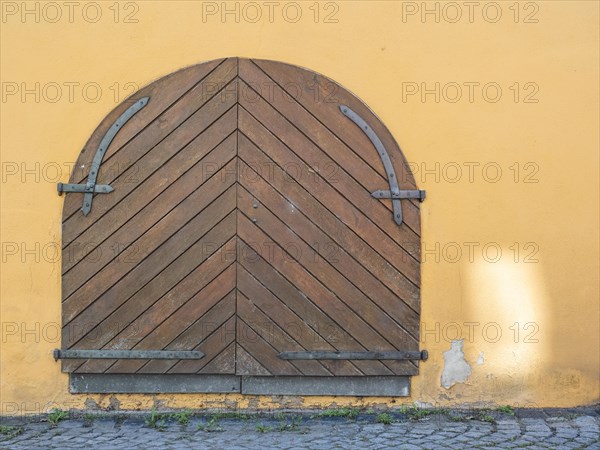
x,y
90,188
395,194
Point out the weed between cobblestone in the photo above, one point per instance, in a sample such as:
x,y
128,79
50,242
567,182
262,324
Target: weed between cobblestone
x,y
56,416
348,413
407,428
10,432
211,426
262,429
384,418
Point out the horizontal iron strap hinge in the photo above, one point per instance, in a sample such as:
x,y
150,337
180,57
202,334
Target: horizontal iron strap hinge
x,y
98,188
417,194
126,354
407,355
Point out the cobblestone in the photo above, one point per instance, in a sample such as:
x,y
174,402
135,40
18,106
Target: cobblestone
x,y
537,429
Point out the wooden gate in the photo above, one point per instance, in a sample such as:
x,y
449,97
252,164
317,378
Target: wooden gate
x,y
241,225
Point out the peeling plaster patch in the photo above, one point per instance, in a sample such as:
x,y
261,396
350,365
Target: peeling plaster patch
x,y
158,403
253,403
288,401
114,404
90,403
480,359
456,369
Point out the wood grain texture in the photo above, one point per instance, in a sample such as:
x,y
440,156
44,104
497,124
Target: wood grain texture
x,y
242,225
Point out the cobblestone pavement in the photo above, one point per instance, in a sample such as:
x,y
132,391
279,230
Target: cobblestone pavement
x,y
454,429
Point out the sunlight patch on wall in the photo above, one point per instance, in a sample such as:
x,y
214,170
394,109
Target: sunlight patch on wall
x,y
510,303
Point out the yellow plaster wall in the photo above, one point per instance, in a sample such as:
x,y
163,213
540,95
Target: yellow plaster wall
x,y
546,204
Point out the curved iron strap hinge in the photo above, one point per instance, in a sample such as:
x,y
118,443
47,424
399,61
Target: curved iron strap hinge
x,y
90,187
395,194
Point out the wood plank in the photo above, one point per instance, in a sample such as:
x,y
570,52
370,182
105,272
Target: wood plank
x,y
156,327
322,97
301,304
163,93
329,275
154,132
147,242
247,365
203,327
166,333
125,243
311,287
163,232
139,200
161,323
323,247
257,80
298,327
224,362
264,326
332,199
304,202
262,351
237,263
342,156
78,310
214,344
210,324
201,132
314,158
100,330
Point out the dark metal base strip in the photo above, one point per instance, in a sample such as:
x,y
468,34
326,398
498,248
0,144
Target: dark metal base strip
x,y
394,386
126,354
118,383
121,383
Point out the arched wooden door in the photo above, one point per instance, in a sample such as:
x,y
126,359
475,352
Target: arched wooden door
x,y
235,235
